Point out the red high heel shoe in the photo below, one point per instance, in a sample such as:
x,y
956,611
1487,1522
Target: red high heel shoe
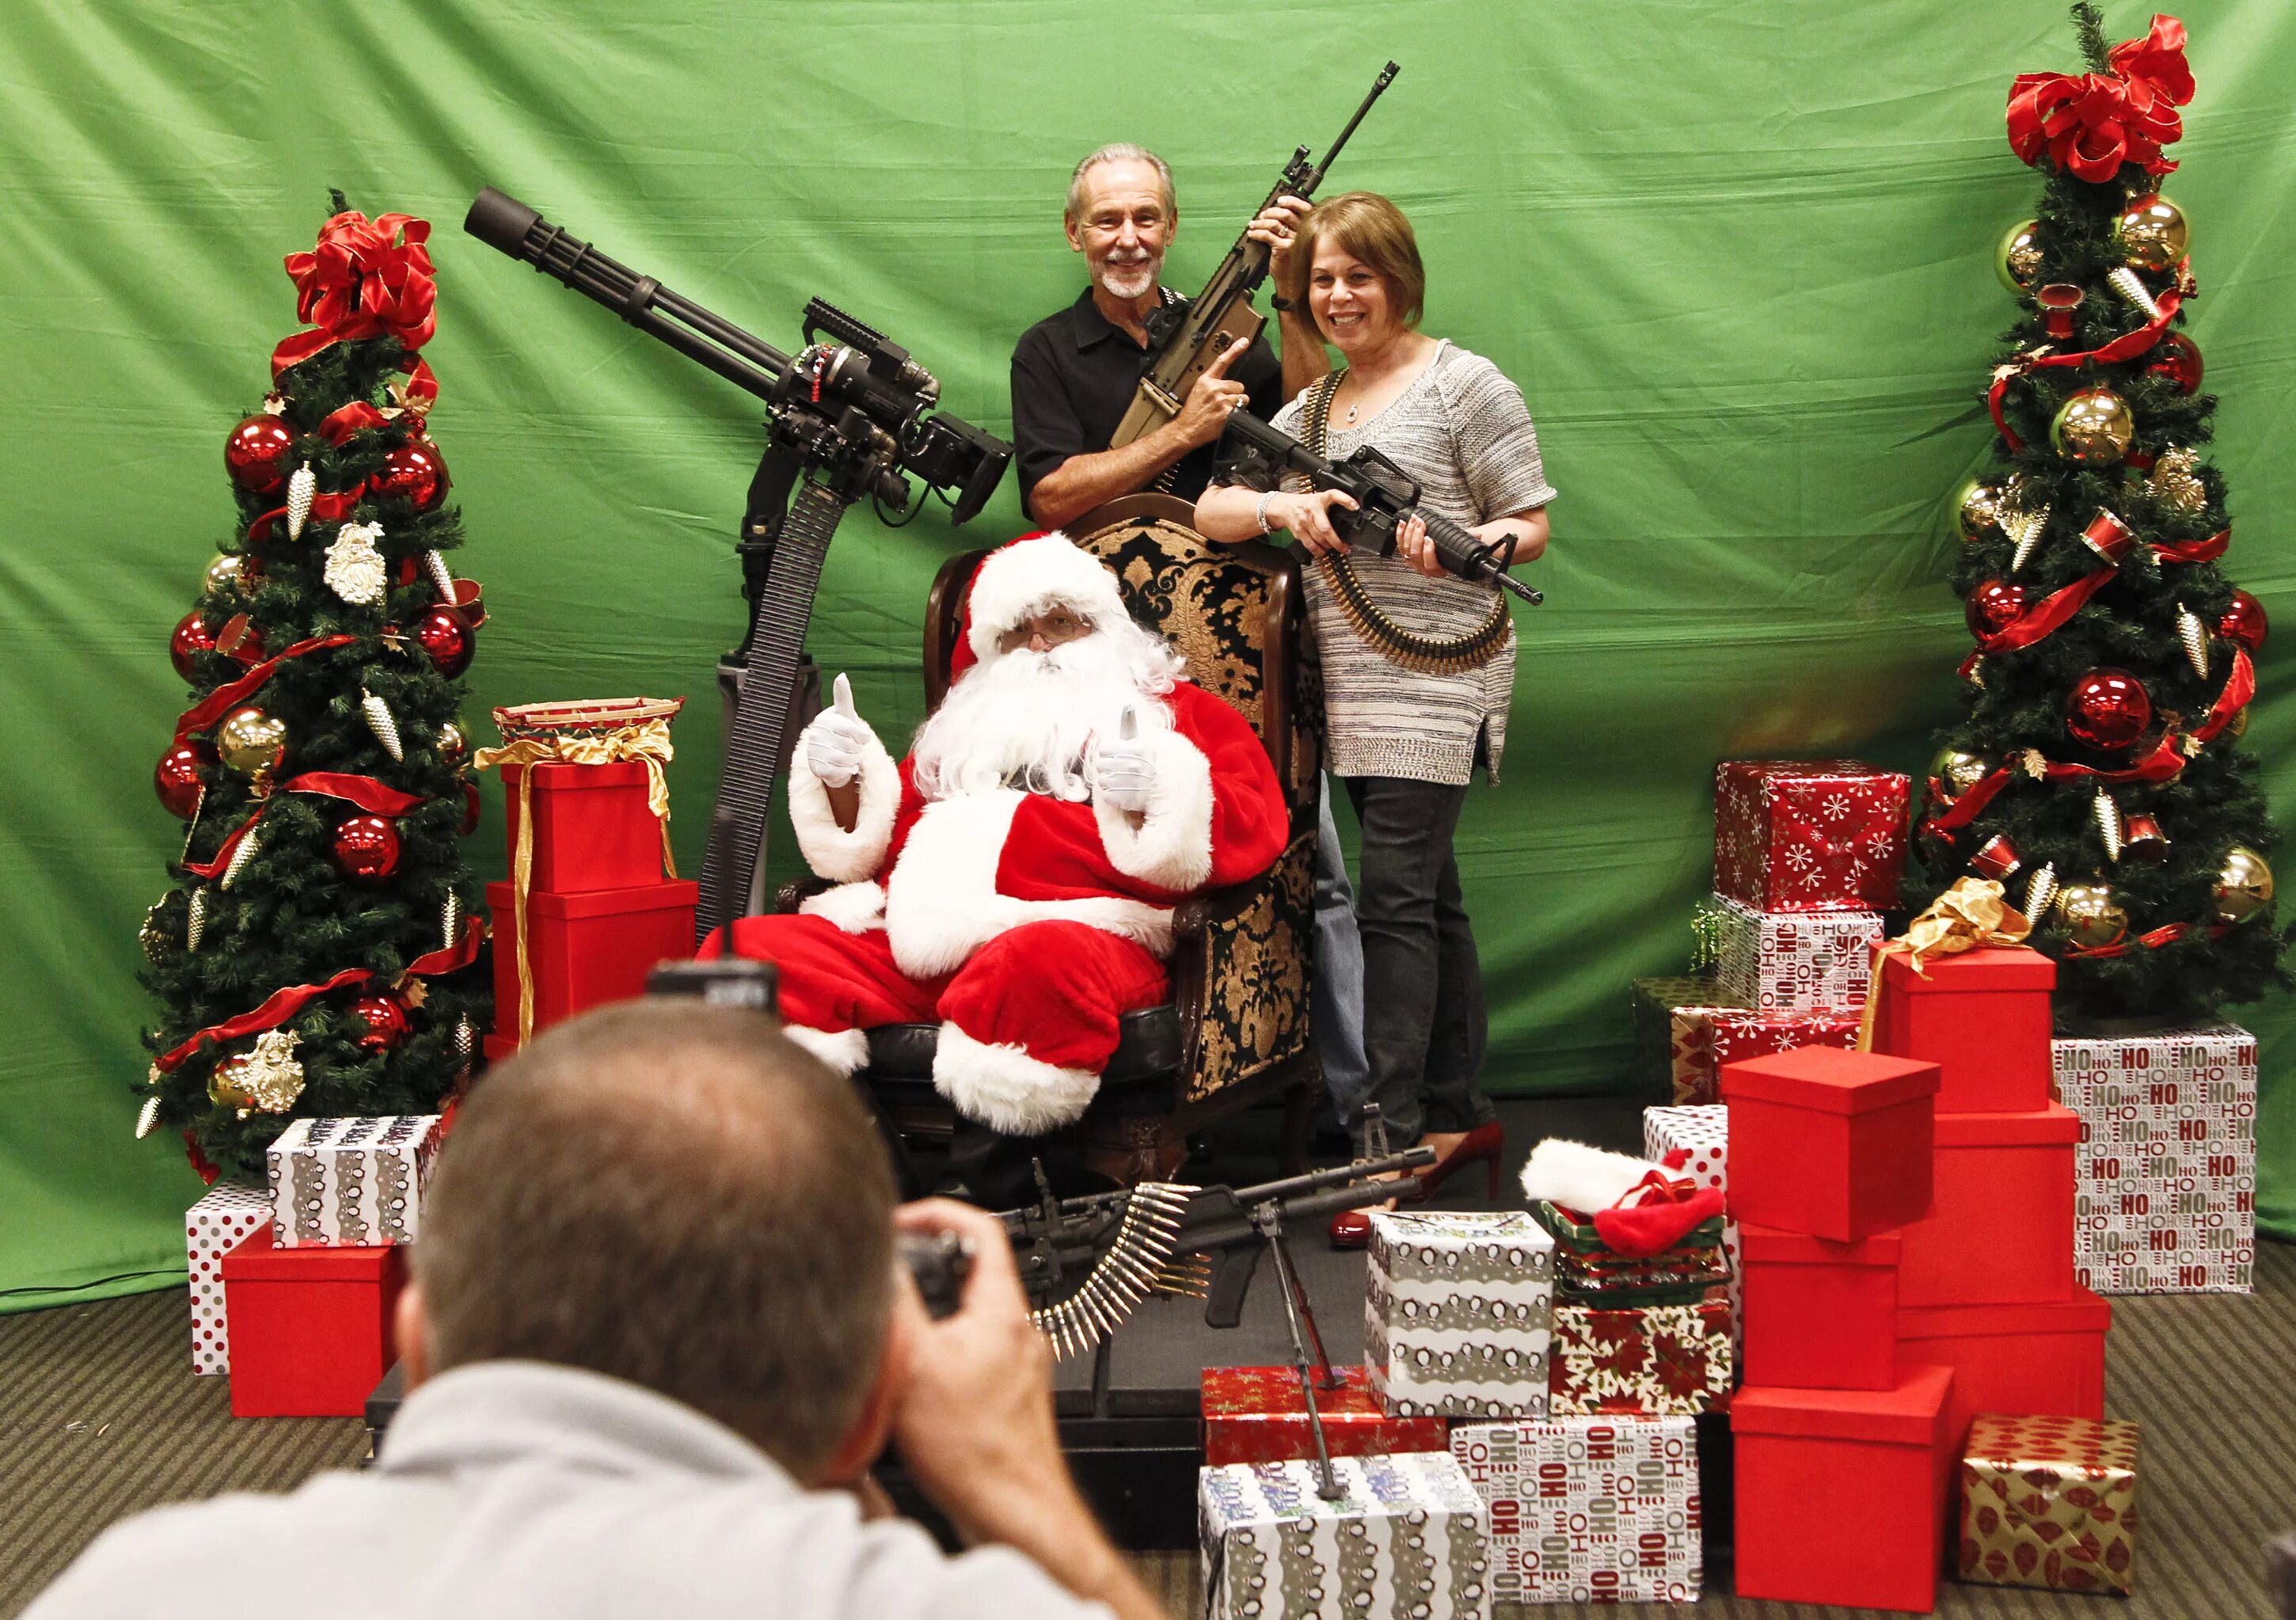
x,y
1485,1144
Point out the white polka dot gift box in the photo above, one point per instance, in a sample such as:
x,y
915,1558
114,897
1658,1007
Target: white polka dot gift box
x,y
212,1228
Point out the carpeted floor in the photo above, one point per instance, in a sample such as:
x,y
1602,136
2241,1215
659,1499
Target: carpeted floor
x,y
100,1416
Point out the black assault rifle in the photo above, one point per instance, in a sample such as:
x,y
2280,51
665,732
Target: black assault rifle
x,y
1222,312
1260,455
1086,1262
849,416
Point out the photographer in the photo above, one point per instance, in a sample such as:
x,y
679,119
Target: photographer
x,y
655,1337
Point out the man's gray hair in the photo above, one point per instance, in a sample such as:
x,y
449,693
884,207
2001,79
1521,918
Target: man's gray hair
x,y
1119,152
673,1194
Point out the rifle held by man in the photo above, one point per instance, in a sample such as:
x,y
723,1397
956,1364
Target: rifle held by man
x,y
1222,313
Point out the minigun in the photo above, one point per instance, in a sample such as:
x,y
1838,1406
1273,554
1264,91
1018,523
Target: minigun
x,y
1384,495
849,416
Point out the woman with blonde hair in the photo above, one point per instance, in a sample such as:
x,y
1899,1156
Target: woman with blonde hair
x,y
1418,666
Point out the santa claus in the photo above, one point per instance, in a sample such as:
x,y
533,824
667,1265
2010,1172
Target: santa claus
x,y
1014,877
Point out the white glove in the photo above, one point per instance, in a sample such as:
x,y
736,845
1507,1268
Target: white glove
x,y
1123,771
836,740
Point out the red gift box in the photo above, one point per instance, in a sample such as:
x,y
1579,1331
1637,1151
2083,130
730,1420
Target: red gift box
x,y
2044,1358
1809,834
2002,1232
1255,1414
583,951
1830,1144
1982,1017
1819,1314
310,1327
1841,1494
593,827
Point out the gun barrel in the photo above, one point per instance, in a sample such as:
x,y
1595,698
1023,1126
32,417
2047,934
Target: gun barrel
x,y
509,227
1379,88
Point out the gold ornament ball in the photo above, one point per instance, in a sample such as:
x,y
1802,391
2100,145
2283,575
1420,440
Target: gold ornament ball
x,y
2018,260
2094,427
226,573
2243,885
2092,919
235,1082
452,744
2236,727
1977,510
1958,772
251,742
2152,233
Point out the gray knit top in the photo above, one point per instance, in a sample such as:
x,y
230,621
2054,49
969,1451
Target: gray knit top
x,y
1462,429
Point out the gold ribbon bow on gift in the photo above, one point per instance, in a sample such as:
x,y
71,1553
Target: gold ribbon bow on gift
x,y
647,741
1972,913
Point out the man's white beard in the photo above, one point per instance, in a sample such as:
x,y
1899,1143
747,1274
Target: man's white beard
x,y
1026,719
1133,280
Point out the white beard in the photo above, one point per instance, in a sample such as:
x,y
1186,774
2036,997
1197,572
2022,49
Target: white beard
x,y
1027,720
1136,279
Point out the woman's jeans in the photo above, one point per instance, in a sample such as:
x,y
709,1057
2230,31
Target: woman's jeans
x,y
1424,1024
1335,989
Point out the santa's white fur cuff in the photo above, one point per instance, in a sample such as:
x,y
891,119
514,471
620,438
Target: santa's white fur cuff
x,y
1006,1090
1172,846
843,1050
829,849
852,907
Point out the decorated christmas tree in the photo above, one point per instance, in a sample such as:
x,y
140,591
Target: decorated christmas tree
x,y
316,953
2096,771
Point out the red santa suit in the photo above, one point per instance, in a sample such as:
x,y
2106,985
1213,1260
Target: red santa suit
x,y
1024,923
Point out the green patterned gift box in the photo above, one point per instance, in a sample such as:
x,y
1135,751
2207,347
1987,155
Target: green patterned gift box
x,y
1405,1540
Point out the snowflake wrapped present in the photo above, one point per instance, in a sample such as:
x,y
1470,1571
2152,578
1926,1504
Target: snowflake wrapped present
x,y
1809,834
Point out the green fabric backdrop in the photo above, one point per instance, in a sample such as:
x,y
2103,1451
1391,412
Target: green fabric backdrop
x,y
1738,258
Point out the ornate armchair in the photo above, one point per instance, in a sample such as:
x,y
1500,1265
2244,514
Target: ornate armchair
x,y
1236,1032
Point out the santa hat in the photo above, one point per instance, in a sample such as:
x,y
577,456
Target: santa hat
x,y
1638,1209
1019,581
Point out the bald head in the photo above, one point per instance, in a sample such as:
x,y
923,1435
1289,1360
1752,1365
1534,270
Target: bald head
x,y
673,1194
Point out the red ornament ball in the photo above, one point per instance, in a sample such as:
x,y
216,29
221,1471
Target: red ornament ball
x,y
181,777
471,805
414,472
366,848
2179,359
2244,624
446,635
2108,709
258,454
191,639
1993,605
385,1018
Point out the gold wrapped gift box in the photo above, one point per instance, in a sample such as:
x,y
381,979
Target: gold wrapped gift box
x,y
2049,1502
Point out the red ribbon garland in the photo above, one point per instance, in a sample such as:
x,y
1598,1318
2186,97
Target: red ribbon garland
x,y
1967,809
370,795
2166,759
2092,123
2239,687
2167,933
2128,346
228,697
284,1003
2045,617
365,279
2194,551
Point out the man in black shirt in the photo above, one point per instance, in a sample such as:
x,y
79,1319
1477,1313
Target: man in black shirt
x,y
1075,372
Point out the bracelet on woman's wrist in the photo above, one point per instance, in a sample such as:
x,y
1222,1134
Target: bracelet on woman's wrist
x,y
1260,512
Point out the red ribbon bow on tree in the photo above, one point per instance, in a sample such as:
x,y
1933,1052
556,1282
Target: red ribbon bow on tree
x,y
366,278
2090,124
